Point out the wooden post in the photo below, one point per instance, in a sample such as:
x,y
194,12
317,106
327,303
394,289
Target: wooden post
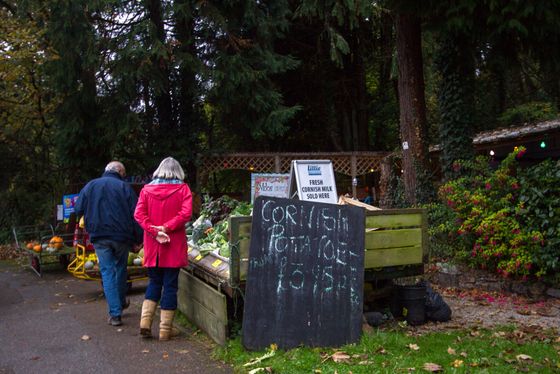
x,y
277,164
384,183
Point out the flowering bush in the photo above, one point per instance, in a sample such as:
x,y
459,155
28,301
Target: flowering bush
x,y
490,217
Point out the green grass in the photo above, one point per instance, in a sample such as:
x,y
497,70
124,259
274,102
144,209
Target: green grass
x,y
501,350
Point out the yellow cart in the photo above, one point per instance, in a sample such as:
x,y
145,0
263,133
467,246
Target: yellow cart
x,y
82,269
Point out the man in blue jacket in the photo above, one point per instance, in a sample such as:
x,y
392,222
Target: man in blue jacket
x,y
107,204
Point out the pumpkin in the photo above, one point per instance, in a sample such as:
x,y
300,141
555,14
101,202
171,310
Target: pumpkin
x,y
56,242
29,245
37,248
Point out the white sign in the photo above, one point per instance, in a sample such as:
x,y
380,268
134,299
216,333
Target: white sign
x,y
275,185
313,180
59,214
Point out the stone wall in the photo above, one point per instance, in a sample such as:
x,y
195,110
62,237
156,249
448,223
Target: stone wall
x,y
457,276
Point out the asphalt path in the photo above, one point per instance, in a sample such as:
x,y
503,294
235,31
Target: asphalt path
x,y
58,324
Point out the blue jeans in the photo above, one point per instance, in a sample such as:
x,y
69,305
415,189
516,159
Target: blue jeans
x,y
113,257
166,279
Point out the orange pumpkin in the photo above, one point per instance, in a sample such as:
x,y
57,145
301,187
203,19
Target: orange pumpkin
x,y
29,245
37,248
56,242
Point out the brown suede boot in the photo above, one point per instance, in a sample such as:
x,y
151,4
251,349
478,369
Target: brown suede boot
x,y
147,316
166,324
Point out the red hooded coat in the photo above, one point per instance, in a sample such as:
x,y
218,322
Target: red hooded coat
x,y
168,205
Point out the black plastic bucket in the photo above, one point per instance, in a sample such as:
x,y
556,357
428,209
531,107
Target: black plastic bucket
x,y
411,301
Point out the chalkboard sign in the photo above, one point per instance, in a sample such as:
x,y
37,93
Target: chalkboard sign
x,y
305,277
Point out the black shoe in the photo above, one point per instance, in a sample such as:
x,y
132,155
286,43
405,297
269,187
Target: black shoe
x,y
126,304
115,321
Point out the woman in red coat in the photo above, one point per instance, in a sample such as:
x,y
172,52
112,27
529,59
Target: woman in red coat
x,y
163,209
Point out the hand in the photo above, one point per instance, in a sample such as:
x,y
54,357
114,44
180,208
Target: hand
x,y
162,237
159,228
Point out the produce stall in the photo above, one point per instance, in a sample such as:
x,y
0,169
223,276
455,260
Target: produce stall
x,y
43,246
211,288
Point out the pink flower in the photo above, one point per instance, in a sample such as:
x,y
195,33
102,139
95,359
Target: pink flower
x,y
488,186
520,154
456,166
515,186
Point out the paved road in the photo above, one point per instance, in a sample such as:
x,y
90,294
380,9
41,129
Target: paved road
x,y
43,322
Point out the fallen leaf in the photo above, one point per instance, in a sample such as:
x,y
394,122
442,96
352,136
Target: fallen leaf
x,y
523,357
366,362
463,354
35,358
119,330
256,370
165,355
434,368
414,347
182,351
85,337
451,351
381,351
145,351
457,363
340,356
523,311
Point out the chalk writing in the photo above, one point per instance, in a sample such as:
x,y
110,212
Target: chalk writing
x,y
306,262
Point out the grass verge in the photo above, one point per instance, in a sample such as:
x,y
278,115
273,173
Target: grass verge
x,y
505,349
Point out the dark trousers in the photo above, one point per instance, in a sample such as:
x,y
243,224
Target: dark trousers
x,y
166,280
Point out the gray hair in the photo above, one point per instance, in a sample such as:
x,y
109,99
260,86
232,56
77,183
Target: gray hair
x,y
169,168
117,167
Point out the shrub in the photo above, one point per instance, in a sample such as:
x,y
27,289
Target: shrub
x,y
492,218
529,112
540,188
442,231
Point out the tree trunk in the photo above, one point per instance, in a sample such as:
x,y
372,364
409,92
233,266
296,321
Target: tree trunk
x,y
411,103
161,90
189,113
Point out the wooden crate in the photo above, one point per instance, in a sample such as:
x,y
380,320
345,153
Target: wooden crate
x,y
203,305
394,238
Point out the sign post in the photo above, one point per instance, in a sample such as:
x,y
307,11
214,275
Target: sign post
x,y
313,180
305,276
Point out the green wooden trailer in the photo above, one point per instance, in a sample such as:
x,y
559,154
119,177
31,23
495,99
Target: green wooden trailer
x,y
211,287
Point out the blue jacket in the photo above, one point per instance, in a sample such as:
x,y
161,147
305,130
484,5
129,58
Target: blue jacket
x,y
108,204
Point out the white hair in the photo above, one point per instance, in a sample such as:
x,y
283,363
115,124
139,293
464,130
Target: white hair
x,y
169,168
117,167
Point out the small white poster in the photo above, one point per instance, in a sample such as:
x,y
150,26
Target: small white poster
x,y
314,180
275,185
59,213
